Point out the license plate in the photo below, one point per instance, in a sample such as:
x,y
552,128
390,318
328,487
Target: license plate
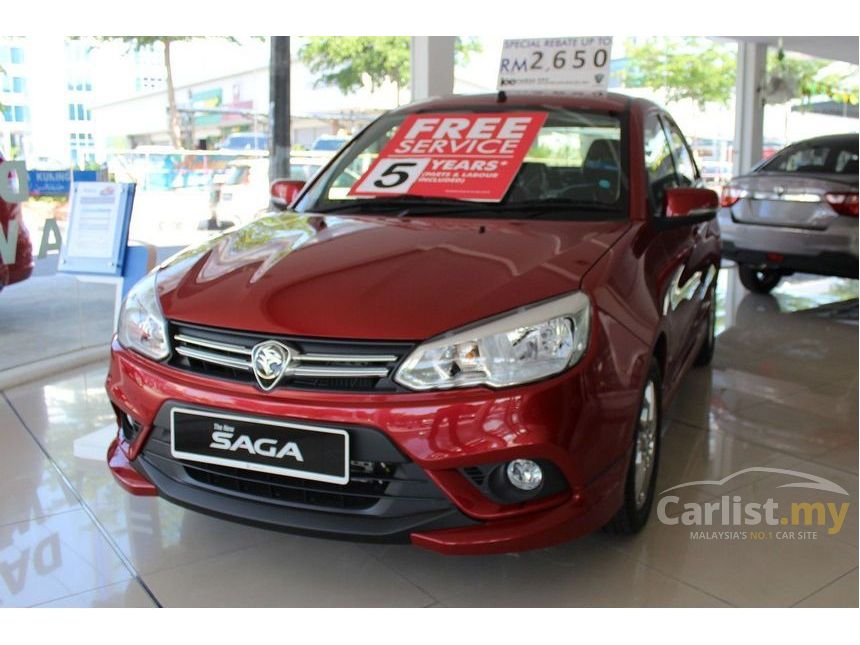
x,y
262,445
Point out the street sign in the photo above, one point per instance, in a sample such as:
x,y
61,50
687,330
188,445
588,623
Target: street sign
x,y
56,183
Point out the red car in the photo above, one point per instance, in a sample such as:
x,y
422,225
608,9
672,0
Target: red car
x,y
469,375
16,256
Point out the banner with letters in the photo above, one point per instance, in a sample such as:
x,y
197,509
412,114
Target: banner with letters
x,y
472,156
556,64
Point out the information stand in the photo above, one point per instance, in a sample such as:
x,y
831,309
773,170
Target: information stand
x,y
96,248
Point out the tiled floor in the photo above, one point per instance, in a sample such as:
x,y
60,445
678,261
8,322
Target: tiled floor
x,y
782,394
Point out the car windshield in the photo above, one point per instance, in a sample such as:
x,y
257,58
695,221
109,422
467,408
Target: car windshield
x,y
829,157
575,168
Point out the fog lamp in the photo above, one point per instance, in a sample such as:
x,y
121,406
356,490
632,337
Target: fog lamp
x,y
524,474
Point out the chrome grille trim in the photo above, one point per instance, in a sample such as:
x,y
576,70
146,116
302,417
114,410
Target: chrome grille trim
x,y
339,371
211,344
214,358
302,365
345,358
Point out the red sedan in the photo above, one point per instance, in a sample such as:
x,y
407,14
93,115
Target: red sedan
x,y
16,249
471,357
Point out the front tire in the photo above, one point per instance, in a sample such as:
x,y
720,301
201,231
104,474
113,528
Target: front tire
x,y
758,280
642,474
706,353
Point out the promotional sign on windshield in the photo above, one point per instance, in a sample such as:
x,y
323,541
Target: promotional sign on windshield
x,y
556,64
473,156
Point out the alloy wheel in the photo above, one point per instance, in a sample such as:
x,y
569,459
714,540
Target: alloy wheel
x,y
646,444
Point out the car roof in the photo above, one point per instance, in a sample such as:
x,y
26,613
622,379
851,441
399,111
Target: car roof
x,y
827,138
610,102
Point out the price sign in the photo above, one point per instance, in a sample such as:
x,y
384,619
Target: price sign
x,y
556,64
468,155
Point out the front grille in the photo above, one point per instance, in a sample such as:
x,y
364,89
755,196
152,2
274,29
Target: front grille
x,y
381,482
316,364
359,493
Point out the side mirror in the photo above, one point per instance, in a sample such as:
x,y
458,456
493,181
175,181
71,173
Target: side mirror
x,y
691,202
285,191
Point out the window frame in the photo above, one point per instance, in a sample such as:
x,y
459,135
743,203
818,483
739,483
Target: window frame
x,y
655,209
669,124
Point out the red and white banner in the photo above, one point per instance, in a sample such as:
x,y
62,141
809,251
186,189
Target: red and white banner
x,y
472,156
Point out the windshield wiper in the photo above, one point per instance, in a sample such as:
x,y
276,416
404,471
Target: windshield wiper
x,y
529,209
536,207
399,201
440,206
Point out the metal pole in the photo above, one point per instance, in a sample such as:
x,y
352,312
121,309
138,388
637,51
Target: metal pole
x,y
279,108
749,106
432,66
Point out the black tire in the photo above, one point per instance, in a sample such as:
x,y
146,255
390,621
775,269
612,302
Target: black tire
x,y
706,352
633,514
759,280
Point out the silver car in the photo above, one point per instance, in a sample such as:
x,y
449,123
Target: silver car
x,y
796,211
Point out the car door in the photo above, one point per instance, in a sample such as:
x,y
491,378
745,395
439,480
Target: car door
x,y
676,269
697,243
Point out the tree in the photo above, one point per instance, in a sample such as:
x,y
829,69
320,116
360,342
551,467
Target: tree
x,y
809,77
704,71
347,62
137,43
685,68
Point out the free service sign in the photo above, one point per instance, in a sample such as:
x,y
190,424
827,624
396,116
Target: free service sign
x,y
556,64
472,156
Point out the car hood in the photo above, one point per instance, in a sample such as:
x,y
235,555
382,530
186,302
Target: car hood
x,y
380,278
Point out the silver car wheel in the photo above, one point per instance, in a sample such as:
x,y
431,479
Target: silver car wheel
x,y
646,444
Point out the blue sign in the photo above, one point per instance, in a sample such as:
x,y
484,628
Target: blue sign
x,y
56,183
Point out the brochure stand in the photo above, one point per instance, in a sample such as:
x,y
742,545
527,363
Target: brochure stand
x,y
97,248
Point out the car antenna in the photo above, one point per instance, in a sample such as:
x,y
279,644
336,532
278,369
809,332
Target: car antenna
x,y
502,97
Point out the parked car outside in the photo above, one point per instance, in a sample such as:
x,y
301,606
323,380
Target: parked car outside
x,y
16,261
794,212
243,141
329,143
472,376
243,188
716,173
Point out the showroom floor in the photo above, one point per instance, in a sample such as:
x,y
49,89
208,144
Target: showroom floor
x,y
782,394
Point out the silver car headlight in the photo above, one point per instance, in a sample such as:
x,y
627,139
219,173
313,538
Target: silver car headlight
x,y
142,327
529,344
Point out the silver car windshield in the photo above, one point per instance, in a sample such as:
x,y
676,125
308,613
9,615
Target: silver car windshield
x,y
837,157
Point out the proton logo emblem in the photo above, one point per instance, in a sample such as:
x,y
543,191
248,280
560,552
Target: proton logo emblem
x,y
779,190
270,360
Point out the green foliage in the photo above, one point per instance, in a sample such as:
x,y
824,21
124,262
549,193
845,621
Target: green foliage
x,y
704,70
809,79
346,62
685,68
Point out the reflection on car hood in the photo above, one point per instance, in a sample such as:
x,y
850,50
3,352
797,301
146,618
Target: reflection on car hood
x,y
376,277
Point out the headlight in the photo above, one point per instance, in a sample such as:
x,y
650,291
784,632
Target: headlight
x,y
527,345
141,324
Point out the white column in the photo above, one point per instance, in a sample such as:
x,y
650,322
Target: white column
x,y
432,66
749,105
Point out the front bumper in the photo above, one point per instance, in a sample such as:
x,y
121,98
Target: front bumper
x,y
585,433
